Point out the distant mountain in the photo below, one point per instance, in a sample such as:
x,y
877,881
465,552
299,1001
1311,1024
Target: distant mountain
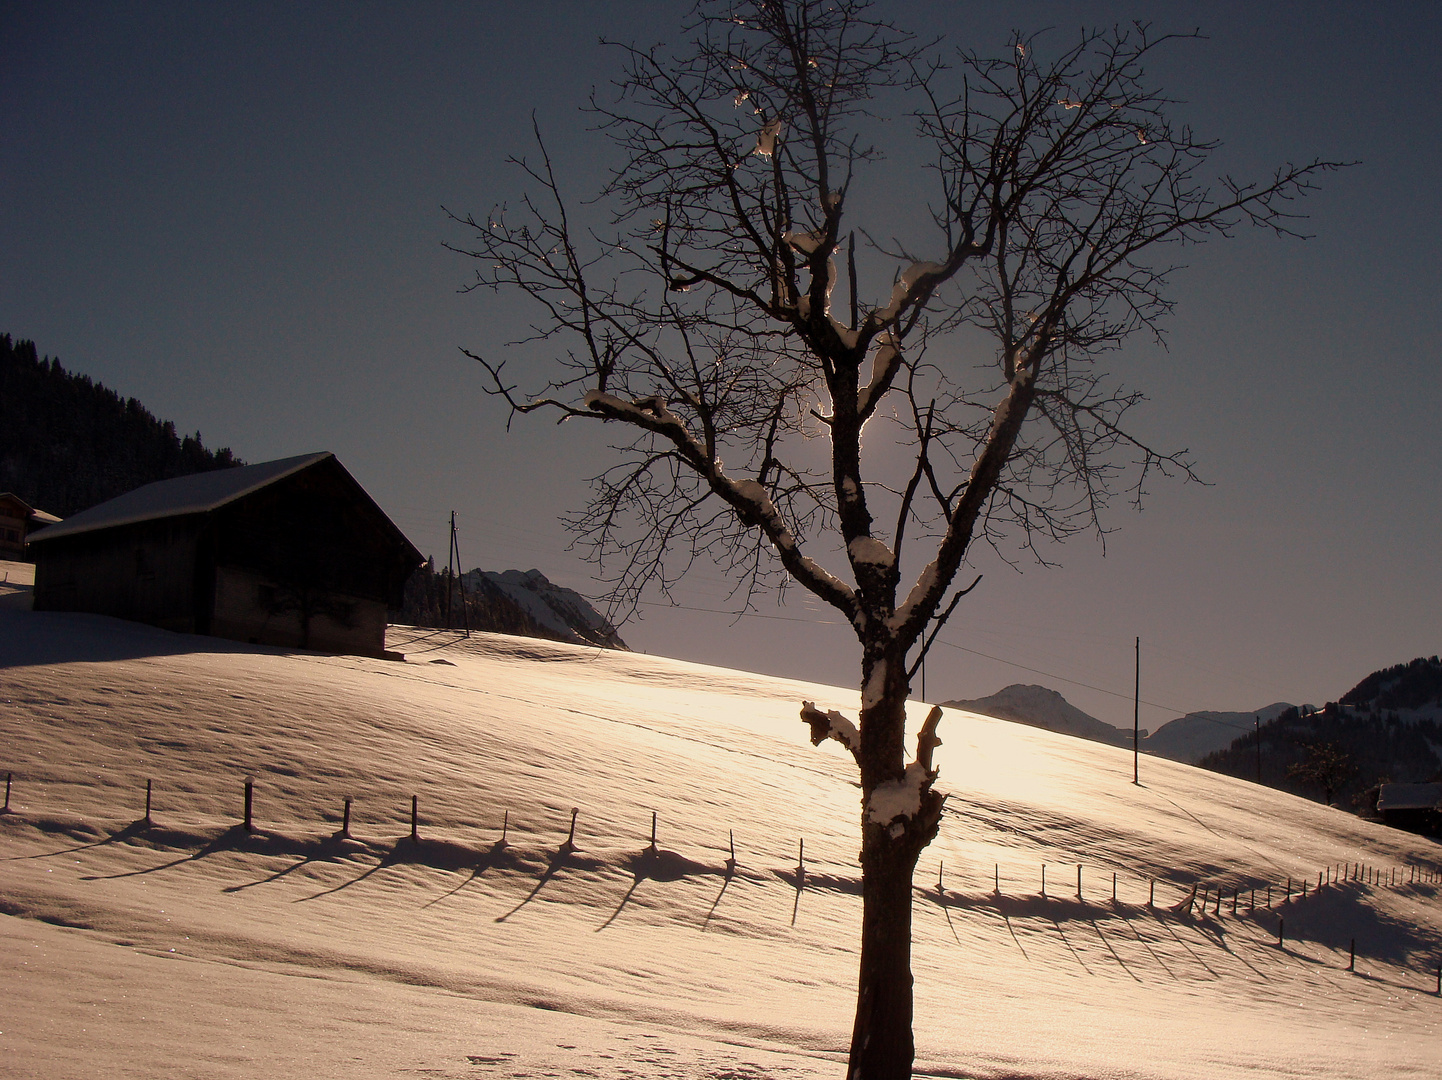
x,y
564,612
1192,737
506,603
1043,708
68,443
1386,728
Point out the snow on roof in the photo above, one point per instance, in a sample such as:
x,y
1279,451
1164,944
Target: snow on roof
x,y
197,493
1409,796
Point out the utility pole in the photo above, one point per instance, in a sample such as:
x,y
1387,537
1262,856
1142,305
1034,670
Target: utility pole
x,y
925,643
1257,721
453,573
450,567
1136,720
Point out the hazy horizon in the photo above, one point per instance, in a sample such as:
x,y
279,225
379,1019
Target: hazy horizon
x,y
234,214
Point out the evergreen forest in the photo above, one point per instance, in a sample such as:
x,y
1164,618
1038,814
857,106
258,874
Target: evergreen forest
x,y
68,442
1388,728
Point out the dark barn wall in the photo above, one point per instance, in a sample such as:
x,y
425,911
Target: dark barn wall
x,y
252,607
316,529
1422,820
144,572
309,562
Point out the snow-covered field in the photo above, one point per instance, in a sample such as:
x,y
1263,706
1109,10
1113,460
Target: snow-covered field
x,y
191,948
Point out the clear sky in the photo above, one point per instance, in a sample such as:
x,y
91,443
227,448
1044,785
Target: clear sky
x,y
233,212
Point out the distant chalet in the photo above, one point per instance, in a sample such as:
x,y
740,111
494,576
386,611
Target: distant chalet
x,y
291,553
17,520
1414,807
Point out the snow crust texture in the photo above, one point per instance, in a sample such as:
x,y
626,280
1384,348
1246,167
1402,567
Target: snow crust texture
x,y
189,947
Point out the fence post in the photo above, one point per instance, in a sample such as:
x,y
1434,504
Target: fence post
x,y
1078,881
801,860
731,860
571,836
998,879
1043,881
8,777
1281,926
345,819
249,787
1352,956
147,802
1114,886
415,823
1152,893
653,830
505,825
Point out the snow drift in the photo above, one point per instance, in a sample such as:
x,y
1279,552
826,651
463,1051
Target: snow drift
x,y
491,945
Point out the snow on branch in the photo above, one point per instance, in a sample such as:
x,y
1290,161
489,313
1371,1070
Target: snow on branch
x,y
884,366
830,725
897,802
905,292
748,498
869,551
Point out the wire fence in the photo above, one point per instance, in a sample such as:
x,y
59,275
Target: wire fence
x,y
1236,894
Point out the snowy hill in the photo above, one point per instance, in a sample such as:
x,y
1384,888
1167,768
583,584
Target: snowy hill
x,y
1192,737
188,947
1043,708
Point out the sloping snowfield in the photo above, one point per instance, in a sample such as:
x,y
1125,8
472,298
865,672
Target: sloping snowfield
x,y
189,947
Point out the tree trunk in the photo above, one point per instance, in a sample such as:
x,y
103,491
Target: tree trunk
x,y
881,1041
882,1047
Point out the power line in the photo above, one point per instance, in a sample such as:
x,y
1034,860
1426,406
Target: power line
x,y
1061,678
960,648
948,644
740,614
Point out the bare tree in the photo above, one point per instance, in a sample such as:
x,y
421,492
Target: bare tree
x,y
701,321
1326,765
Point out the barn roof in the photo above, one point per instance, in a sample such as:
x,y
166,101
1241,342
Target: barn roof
x,y
1409,796
197,493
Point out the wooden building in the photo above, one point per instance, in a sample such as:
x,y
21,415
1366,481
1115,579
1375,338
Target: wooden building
x,y
1414,807
291,553
17,520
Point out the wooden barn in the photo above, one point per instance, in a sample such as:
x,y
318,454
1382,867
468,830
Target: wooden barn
x,y
1414,807
291,553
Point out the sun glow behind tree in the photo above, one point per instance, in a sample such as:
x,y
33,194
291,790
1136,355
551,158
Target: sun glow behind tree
x,y
702,323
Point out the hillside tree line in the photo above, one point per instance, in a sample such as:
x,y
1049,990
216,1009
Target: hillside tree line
x,y
1388,728
69,442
